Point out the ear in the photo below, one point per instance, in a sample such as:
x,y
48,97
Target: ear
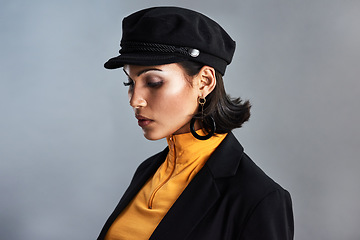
x,y
207,80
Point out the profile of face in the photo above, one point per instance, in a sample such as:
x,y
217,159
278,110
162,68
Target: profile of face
x,y
165,98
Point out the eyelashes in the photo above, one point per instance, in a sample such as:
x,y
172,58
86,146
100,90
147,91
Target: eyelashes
x,y
129,83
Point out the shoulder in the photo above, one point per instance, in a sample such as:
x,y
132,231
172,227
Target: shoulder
x,y
237,174
255,178
260,207
268,205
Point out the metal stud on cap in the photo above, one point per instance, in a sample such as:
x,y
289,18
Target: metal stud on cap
x,y
194,52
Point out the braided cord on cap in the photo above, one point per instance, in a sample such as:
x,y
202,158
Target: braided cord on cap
x,y
130,47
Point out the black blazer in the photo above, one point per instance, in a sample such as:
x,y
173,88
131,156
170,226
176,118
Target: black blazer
x,y
230,198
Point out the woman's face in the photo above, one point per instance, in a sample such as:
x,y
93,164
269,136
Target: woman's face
x,y
162,98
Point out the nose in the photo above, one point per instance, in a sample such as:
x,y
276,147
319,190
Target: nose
x,y
136,99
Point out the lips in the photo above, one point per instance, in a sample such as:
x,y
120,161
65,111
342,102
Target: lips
x,y
143,121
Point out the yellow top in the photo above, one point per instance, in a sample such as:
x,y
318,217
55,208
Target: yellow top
x,y
187,155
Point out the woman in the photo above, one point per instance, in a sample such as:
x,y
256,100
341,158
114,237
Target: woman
x,y
202,186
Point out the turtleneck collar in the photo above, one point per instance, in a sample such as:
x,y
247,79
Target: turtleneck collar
x,y
185,147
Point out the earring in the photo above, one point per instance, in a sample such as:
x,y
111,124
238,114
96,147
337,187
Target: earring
x,y
202,101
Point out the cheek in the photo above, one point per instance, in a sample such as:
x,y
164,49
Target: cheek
x,y
177,101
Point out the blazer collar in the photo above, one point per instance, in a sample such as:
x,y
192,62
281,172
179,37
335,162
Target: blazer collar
x,y
224,161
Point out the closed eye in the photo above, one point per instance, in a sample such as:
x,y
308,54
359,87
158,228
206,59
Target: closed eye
x,y
155,84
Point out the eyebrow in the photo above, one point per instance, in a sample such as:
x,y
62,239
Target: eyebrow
x,y
144,71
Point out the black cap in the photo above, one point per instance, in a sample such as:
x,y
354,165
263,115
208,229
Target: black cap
x,y
163,35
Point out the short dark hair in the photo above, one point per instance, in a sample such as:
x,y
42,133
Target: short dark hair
x,y
228,113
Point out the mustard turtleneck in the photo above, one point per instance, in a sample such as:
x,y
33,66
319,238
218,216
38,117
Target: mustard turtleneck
x,y
187,155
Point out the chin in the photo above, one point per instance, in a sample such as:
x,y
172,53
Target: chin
x,y
152,136
151,139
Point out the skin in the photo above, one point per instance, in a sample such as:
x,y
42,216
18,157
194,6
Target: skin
x,y
164,98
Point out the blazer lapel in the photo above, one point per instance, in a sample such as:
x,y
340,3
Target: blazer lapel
x,y
189,208
201,193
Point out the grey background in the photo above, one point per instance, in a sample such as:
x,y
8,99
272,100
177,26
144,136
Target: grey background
x,y
69,142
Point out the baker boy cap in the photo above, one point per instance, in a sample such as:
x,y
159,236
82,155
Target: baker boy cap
x,y
163,35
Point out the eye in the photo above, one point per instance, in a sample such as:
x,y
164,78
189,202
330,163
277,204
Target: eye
x,y
155,84
154,81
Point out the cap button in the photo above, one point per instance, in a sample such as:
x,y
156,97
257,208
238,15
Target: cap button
x,y
194,52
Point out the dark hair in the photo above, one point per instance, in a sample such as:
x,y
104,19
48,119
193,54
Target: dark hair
x,y
228,113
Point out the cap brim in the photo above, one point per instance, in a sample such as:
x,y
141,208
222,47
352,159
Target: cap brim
x,y
142,60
